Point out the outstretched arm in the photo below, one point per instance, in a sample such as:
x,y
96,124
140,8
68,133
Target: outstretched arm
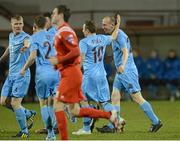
x,y
29,62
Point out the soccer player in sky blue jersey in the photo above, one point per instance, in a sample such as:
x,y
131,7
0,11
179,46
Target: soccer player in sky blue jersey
x,y
47,78
95,85
52,31
16,86
126,78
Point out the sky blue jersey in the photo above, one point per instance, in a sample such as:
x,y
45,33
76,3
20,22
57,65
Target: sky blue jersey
x,y
17,59
52,31
43,43
121,42
93,47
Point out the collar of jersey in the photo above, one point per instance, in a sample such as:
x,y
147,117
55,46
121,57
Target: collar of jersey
x,y
19,35
64,24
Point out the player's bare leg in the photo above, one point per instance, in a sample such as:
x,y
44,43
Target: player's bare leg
x,y
146,107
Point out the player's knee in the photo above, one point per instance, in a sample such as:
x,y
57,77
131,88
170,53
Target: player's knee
x,y
3,101
114,99
58,106
137,97
74,110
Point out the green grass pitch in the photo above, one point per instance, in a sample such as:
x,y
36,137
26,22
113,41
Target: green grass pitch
x,y
136,127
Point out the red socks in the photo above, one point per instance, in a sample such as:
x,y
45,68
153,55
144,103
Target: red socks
x,y
93,113
62,125
84,112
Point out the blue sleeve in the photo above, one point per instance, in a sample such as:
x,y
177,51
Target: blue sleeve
x,y
122,41
83,47
33,45
26,36
107,39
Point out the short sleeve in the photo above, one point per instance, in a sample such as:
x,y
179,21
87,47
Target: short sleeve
x,y
33,45
83,47
69,39
107,39
122,41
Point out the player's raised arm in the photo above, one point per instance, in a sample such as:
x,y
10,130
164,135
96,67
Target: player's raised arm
x,y
5,54
115,32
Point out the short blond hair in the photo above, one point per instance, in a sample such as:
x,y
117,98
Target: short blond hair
x,y
17,17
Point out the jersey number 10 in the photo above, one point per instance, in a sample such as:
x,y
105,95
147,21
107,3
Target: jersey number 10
x,y
97,54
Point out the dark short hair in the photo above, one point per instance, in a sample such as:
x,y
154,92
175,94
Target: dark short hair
x,y
17,17
90,26
40,21
47,14
66,12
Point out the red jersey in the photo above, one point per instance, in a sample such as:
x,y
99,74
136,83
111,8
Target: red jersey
x,y
66,45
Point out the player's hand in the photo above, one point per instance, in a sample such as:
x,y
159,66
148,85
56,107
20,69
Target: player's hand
x,y
22,72
118,20
120,69
23,49
53,60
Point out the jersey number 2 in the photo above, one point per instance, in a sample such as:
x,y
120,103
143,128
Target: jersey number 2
x,y
48,45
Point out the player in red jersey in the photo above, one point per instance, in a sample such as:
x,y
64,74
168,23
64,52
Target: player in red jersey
x,y
67,61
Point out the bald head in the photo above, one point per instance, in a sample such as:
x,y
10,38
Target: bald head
x,y
108,24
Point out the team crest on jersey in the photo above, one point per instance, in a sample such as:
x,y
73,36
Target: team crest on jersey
x,y
70,39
